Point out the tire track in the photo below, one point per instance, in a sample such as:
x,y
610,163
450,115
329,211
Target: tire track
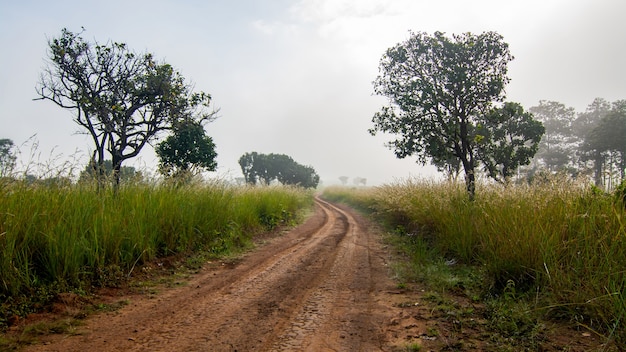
x,y
336,316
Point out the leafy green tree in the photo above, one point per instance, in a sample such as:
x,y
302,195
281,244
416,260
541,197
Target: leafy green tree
x,y
508,138
607,139
558,145
247,163
586,121
187,151
298,175
7,157
269,167
439,87
261,167
121,99
582,127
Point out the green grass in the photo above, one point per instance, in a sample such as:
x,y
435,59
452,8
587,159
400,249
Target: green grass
x,y
561,246
413,347
72,237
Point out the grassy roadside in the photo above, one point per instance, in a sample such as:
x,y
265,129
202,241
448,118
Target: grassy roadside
x,y
531,256
56,239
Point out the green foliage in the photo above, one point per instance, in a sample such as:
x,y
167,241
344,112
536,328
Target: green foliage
x,y
508,316
413,347
269,167
607,136
121,99
75,237
509,138
439,88
187,151
555,150
605,142
590,143
7,157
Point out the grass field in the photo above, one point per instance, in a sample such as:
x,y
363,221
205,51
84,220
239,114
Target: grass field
x,y
559,249
70,237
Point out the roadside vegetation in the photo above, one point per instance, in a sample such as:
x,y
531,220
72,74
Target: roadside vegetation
x,y
550,252
73,237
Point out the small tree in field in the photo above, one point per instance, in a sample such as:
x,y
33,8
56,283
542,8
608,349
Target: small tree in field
x,y
186,152
507,138
439,87
121,99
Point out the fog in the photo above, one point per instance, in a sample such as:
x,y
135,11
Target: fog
x,y
295,77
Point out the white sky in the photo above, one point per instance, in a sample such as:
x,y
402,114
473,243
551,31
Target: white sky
x,y
294,76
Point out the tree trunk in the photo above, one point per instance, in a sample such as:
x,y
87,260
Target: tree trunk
x,y
622,166
467,158
99,171
470,182
470,178
116,167
597,170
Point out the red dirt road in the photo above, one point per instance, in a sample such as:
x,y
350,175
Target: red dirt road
x,y
324,286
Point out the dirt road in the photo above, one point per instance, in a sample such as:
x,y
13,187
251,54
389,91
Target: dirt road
x,y
323,286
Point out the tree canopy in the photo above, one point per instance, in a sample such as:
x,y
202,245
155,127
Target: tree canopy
x,y
606,141
440,88
582,144
557,146
266,168
7,157
121,99
507,139
187,151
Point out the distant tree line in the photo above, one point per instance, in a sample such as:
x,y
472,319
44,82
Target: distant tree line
x,y
265,168
582,144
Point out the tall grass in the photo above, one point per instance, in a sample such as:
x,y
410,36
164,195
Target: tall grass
x,y
564,243
77,236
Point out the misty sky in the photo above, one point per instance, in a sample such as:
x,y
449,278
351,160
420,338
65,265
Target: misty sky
x,y
295,76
